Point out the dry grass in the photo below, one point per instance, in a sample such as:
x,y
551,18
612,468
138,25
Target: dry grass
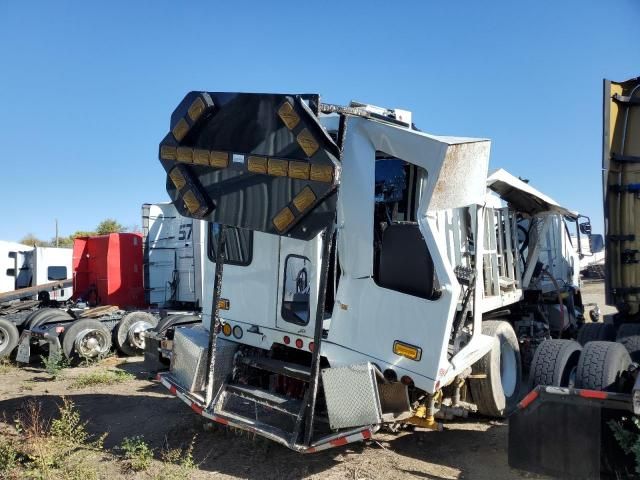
x,y
101,377
41,448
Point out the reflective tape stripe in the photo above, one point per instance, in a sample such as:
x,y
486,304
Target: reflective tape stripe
x,y
199,409
593,394
526,401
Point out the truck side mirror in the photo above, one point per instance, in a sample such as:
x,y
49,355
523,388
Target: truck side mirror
x,y
596,243
585,228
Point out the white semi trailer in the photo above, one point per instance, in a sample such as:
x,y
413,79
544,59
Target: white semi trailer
x,y
359,271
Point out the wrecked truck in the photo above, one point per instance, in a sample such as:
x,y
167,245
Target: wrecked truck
x,y
359,273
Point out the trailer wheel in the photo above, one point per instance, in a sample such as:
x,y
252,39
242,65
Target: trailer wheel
x,y
129,332
170,320
44,316
9,337
601,364
629,336
496,390
591,332
554,363
86,338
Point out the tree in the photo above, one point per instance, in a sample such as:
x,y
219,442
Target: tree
x,y
63,242
81,233
32,240
109,225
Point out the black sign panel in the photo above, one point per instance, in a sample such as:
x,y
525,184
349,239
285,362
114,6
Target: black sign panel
x,y
255,161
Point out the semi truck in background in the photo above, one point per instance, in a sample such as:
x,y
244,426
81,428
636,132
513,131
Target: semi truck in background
x,y
23,266
360,272
124,284
587,389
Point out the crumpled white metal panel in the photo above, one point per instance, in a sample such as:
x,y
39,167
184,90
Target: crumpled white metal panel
x,y
352,396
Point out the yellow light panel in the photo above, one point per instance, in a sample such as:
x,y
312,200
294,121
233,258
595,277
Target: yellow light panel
x,y
185,154
219,159
177,178
278,168
299,170
321,173
167,152
196,109
191,202
201,157
304,199
257,165
180,130
288,115
307,142
283,219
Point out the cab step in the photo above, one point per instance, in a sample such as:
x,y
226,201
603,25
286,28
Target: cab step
x,y
288,369
265,398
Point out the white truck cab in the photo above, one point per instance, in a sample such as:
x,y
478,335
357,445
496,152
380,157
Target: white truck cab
x,y
360,270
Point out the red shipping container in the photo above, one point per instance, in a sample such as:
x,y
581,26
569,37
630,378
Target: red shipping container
x,y
107,270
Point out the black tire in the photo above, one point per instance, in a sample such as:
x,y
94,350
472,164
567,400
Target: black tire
x,y
76,330
489,392
554,362
593,332
629,336
127,341
171,320
600,365
9,337
44,316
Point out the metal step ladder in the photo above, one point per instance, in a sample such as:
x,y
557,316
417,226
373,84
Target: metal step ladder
x,y
266,411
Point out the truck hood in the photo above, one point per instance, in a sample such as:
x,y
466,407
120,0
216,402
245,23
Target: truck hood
x,y
523,197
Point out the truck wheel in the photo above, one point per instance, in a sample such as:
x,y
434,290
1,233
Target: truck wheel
x,y
171,320
554,363
629,336
129,332
44,316
86,339
591,332
497,393
600,365
8,337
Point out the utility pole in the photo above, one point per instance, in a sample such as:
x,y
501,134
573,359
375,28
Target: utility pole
x,y
56,232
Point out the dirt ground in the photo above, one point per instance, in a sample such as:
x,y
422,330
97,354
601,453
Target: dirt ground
x,y
472,449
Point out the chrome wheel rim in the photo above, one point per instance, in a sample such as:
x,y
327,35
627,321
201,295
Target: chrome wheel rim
x,y
135,334
91,343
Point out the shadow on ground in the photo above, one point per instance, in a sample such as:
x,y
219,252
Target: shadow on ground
x,y
166,421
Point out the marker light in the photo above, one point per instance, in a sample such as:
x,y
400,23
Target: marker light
x,y
288,115
311,346
304,199
226,329
283,219
237,332
321,173
406,380
286,340
407,351
299,343
223,304
307,142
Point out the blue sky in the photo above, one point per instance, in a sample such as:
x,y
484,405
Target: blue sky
x,y
86,90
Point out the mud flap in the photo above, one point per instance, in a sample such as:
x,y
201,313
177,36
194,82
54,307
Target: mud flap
x,y
23,353
565,433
